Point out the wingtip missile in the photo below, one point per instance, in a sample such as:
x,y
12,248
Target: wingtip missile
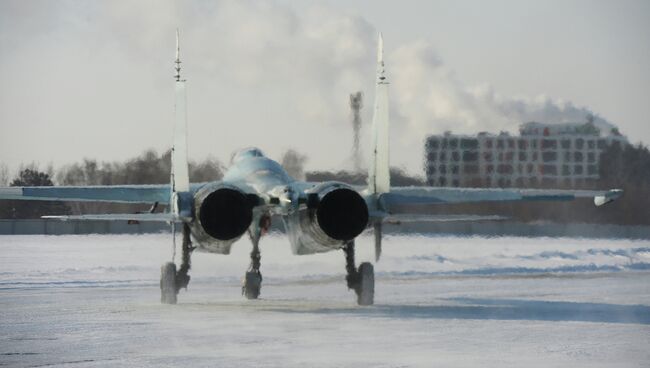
x,y
610,196
177,62
381,70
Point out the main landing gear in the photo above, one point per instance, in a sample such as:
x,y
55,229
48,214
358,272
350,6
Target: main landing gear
x,y
172,281
361,280
253,278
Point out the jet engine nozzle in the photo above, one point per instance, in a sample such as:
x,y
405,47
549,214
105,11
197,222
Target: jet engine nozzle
x,y
224,212
339,215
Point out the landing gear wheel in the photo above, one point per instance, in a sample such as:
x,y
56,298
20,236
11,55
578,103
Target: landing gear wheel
x,y
252,285
168,289
366,289
362,279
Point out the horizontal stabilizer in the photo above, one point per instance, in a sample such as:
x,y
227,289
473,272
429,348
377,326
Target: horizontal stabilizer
x,y
108,193
140,217
138,193
400,218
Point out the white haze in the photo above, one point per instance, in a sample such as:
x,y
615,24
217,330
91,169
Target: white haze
x,y
91,79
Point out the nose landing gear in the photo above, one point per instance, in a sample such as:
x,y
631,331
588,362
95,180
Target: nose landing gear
x,y
253,278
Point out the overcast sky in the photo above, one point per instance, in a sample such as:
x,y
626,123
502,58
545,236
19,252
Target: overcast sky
x,y
94,79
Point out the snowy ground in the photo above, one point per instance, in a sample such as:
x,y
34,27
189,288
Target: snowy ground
x,y
91,301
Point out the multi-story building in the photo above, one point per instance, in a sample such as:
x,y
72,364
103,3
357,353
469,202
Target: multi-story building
x,y
542,155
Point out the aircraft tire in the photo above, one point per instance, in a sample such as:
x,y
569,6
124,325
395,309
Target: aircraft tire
x,y
168,283
366,294
252,285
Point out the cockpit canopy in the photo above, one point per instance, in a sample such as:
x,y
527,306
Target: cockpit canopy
x,y
245,153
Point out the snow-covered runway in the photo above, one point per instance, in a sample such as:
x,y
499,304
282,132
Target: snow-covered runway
x,y
88,301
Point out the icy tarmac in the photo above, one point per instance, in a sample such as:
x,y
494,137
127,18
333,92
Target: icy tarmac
x,y
93,301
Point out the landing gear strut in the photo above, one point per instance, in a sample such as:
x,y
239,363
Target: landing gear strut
x,y
171,281
361,280
253,279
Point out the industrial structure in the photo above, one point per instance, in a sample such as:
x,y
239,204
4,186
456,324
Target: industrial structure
x,y
565,154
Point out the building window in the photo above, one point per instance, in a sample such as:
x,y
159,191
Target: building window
x,y
432,170
549,156
443,156
523,144
442,180
469,156
549,169
470,169
455,156
549,144
591,144
580,143
489,169
567,156
445,143
443,169
566,143
522,156
577,156
565,170
577,169
500,144
592,170
432,156
454,169
487,156
488,143
549,182
511,143
504,169
591,157
455,183
468,144
509,156
453,143
602,144
530,168
434,143
534,156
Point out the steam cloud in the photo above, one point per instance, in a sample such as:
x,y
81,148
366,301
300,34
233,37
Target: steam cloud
x,y
260,73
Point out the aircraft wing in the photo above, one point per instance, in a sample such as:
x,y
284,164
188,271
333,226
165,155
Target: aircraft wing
x,y
408,196
100,193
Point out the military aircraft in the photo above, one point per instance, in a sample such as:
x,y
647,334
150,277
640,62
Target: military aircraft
x,y
317,217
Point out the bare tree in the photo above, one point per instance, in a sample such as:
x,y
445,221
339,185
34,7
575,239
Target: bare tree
x,y
4,174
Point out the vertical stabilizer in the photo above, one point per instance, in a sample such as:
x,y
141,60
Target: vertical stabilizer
x,y
379,168
180,179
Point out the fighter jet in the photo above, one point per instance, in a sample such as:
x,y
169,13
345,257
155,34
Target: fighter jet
x,y
317,217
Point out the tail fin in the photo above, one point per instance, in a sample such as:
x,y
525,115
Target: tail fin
x,y
379,168
180,180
